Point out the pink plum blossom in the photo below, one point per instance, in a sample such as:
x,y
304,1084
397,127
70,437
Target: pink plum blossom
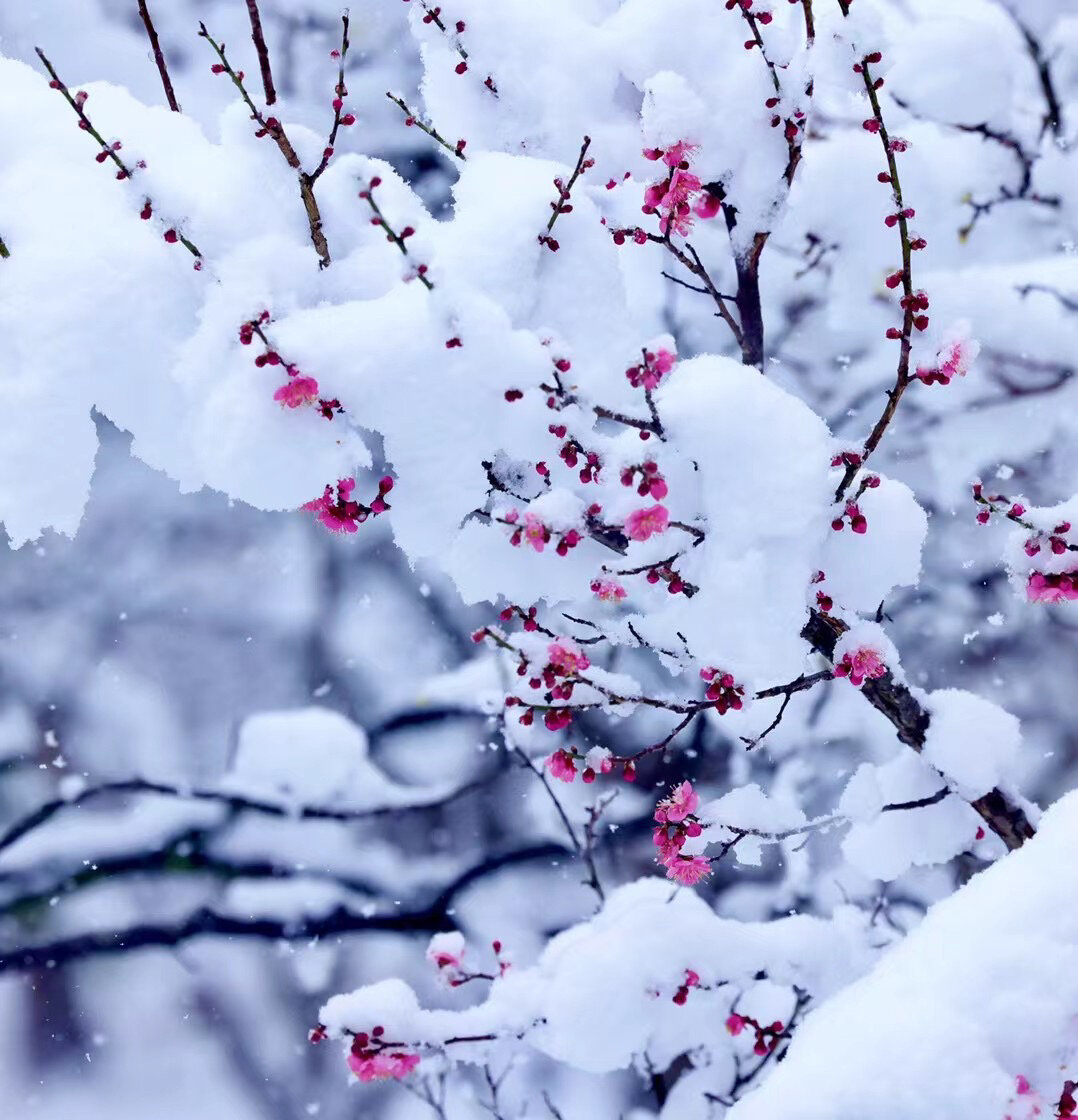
x,y
643,523
561,766
535,532
672,198
297,391
382,1065
1048,588
566,660
861,664
340,514
689,870
953,359
608,590
683,802
652,370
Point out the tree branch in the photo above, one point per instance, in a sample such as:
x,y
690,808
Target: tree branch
x,y
901,708
158,56
259,40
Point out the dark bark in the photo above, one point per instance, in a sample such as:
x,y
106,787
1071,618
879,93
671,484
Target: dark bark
x,y
910,720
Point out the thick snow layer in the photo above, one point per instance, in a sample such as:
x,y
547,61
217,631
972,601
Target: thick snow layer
x,y
971,741
984,990
597,1009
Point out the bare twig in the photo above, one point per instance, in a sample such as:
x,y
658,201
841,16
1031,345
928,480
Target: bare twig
x,y
158,56
338,102
910,316
413,118
259,39
108,151
398,239
271,126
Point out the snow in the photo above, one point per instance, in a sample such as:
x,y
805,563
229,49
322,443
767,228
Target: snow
x,y
951,1000
971,741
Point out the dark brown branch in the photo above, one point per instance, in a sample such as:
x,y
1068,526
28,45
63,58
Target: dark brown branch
x,y
901,708
259,40
226,798
1053,117
158,56
272,127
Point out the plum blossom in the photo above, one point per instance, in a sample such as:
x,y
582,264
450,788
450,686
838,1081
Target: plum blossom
x,y
597,761
683,802
643,523
1043,587
688,870
672,198
864,663
608,590
655,366
562,766
446,952
381,1065
565,660
723,690
677,823
297,391
339,514
535,532
954,358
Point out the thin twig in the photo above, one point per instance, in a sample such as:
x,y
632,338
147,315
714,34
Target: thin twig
x,y
109,150
413,118
259,39
271,126
158,56
338,104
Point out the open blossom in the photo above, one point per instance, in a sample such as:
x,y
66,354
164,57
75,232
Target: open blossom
x,y
655,366
861,664
561,766
1047,588
953,359
643,523
682,802
672,198
608,590
381,1065
337,511
566,660
297,391
535,532
688,870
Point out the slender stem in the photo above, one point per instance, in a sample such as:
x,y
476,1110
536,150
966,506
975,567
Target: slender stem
x,y
368,195
578,170
158,56
108,149
413,118
259,39
272,127
338,109
902,376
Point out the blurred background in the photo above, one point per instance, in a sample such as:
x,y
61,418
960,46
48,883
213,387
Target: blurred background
x,y
135,653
